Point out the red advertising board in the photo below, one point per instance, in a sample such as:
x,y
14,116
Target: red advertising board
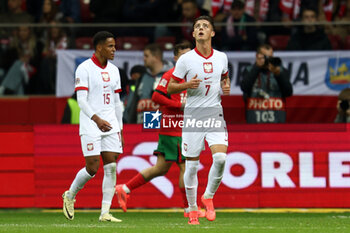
x,y
267,166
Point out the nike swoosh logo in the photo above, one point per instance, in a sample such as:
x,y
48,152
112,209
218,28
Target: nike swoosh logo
x,y
207,78
105,86
67,211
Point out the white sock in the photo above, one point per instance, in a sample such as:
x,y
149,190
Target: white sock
x,y
191,183
109,181
126,189
78,183
215,174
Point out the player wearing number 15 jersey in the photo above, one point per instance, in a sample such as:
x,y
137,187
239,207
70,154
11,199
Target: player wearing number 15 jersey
x,y
97,84
205,73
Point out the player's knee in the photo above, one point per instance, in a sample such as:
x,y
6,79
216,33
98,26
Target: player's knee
x,y
219,159
192,167
92,170
110,167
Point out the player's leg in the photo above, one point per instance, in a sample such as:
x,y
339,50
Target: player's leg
x,y
110,151
182,184
218,145
91,147
123,190
192,145
166,152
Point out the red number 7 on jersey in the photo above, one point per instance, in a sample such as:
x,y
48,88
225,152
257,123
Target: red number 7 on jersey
x,y
208,87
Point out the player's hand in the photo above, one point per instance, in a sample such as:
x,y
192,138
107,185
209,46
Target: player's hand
x,y
225,86
194,82
103,125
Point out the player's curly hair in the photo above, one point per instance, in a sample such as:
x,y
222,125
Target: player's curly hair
x,y
101,36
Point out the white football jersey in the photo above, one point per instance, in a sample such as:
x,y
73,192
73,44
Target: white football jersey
x,y
209,69
101,83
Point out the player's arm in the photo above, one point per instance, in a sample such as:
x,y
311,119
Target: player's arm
x,y
161,98
103,125
225,84
119,113
176,87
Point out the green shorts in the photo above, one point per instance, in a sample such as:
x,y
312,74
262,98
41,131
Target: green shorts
x,y
170,148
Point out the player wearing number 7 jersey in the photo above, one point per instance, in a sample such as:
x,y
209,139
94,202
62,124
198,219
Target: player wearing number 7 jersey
x,y
97,83
205,73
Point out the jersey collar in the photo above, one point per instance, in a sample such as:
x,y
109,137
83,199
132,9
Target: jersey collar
x,y
211,54
97,62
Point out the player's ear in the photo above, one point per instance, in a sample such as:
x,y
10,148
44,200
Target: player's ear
x,y
193,33
212,33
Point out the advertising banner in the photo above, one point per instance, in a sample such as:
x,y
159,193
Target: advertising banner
x,y
291,165
311,73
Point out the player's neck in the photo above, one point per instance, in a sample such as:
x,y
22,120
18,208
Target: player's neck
x,y
204,48
102,60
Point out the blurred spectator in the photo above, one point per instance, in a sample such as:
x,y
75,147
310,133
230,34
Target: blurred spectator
x,y
343,115
71,111
136,73
49,13
336,11
236,36
70,10
309,37
141,100
56,39
265,86
220,9
23,59
15,14
190,11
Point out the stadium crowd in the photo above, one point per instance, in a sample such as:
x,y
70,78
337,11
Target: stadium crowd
x,y
27,54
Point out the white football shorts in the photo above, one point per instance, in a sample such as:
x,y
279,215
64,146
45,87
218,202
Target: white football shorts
x,y
193,142
95,145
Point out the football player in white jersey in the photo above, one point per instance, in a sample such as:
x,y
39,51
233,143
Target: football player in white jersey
x,y
206,75
97,83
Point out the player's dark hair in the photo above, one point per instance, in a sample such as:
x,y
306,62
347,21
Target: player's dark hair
x,y
155,50
263,46
181,46
101,37
204,17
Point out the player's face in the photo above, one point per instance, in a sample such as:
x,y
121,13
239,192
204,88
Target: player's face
x,y
108,49
203,30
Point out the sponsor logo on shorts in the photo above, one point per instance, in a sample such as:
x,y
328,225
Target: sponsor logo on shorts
x,y
90,146
185,146
151,120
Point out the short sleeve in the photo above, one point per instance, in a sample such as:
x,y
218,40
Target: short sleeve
x,y
180,68
81,79
225,69
163,83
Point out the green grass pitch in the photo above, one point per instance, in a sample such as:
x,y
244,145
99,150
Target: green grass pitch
x,y
38,221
